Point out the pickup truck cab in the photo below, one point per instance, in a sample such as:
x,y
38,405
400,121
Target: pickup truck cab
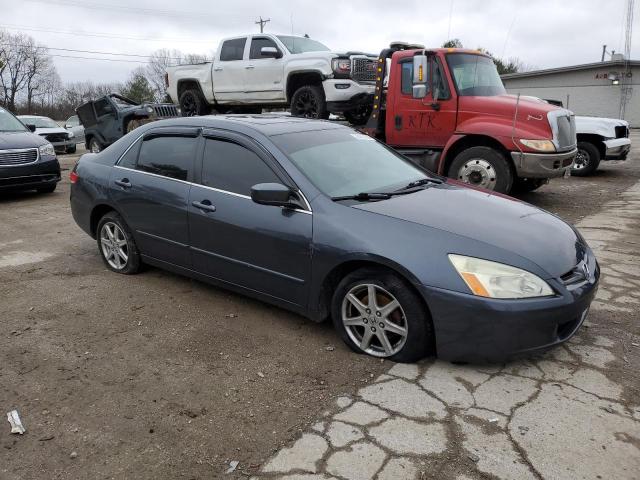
x,y
250,72
447,109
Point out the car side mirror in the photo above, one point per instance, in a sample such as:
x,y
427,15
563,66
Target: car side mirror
x,y
272,194
270,52
31,127
67,127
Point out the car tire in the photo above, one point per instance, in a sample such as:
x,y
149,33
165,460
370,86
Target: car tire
x,y
116,245
47,189
524,185
358,116
193,104
587,160
482,167
94,145
410,315
71,149
309,102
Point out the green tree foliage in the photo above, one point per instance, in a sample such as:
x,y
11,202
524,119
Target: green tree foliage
x,y
138,88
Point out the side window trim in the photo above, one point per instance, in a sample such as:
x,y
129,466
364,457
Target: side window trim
x,y
136,144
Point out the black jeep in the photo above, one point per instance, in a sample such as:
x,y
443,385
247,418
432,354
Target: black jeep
x,y
107,119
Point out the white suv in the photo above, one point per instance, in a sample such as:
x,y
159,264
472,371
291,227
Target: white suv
x,y
251,72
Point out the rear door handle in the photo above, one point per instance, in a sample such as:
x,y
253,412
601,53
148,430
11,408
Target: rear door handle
x,y
249,67
217,69
124,183
205,205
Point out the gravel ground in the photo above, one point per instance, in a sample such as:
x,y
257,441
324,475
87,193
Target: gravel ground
x,y
159,376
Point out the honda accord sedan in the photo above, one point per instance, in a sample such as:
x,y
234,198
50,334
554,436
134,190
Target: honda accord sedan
x,y
327,222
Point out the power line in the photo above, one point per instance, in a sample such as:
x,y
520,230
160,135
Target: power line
x,y
99,35
89,51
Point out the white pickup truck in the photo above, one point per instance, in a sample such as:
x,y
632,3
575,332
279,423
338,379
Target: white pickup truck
x,y
252,72
599,139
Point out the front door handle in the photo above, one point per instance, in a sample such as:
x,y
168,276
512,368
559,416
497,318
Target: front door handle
x,y
217,69
205,206
124,183
249,67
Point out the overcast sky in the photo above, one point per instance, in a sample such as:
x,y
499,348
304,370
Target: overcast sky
x,y
541,33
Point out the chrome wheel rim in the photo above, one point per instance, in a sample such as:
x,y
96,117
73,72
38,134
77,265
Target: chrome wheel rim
x,y
374,320
479,173
95,148
114,245
582,160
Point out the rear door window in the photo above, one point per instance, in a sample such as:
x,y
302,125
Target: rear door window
x,y
233,49
168,156
233,168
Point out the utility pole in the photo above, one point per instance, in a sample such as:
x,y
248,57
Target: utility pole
x,y
262,23
604,50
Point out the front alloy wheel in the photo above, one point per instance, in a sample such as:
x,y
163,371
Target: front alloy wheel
x,y
114,246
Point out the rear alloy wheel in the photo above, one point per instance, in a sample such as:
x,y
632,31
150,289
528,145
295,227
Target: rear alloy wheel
x,y
95,146
309,102
376,313
116,245
587,160
482,167
192,104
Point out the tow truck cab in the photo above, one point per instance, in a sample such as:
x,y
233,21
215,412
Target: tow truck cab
x,y
447,110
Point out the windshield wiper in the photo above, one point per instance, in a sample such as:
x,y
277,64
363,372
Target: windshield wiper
x,y
364,196
417,183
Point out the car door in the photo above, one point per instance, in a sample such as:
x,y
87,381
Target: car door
x,y
73,125
262,248
264,74
229,71
150,187
421,122
106,124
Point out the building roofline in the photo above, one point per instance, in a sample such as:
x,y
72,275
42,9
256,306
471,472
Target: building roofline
x,y
584,66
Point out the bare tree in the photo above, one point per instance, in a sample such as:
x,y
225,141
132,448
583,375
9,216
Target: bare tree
x,y
157,67
15,56
39,70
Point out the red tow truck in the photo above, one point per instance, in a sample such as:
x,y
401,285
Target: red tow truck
x,y
448,111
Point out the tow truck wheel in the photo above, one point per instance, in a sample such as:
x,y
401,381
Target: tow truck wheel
x,y
192,104
359,115
482,167
309,102
587,160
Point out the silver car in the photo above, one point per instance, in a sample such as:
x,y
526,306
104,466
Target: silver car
x,y
62,140
73,125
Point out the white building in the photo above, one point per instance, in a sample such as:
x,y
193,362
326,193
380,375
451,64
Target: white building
x,y
591,89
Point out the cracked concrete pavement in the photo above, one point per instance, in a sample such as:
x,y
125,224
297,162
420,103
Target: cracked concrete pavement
x,y
557,415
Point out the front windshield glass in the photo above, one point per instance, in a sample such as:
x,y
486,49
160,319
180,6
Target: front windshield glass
x,y
302,44
39,122
341,162
475,75
9,123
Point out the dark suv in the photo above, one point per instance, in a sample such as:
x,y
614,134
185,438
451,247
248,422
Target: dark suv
x,y
107,119
27,161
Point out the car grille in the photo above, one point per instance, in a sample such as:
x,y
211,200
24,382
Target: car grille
x,y
18,157
56,137
579,275
165,110
622,131
363,69
566,132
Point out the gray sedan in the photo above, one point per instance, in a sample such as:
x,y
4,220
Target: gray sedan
x,y
327,222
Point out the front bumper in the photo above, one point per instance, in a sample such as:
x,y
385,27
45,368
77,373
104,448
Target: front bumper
x,y
617,148
31,176
62,146
543,165
476,329
342,95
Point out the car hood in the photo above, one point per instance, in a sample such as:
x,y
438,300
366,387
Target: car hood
x,y
493,219
13,140
599,126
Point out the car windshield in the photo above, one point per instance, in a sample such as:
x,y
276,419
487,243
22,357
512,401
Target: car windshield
x,y
302,44
342,162
39,122
9,123
475,75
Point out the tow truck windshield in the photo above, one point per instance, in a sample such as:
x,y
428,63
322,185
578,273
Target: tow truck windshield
x,y
475,75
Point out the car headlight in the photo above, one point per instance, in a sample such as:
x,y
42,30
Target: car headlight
x,y
497,280
70,134
539,145
341,65
47,149
149,110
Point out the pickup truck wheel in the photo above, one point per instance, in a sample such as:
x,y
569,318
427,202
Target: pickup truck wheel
x,y
482,167
359,115
192,104
587,160
309,102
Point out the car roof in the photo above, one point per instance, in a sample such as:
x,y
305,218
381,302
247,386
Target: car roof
x,y
266,124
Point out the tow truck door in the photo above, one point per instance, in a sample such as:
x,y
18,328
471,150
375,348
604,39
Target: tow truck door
x,y
421,122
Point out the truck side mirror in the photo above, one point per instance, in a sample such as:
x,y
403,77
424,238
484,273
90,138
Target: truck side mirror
x,y
420,63
271,52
